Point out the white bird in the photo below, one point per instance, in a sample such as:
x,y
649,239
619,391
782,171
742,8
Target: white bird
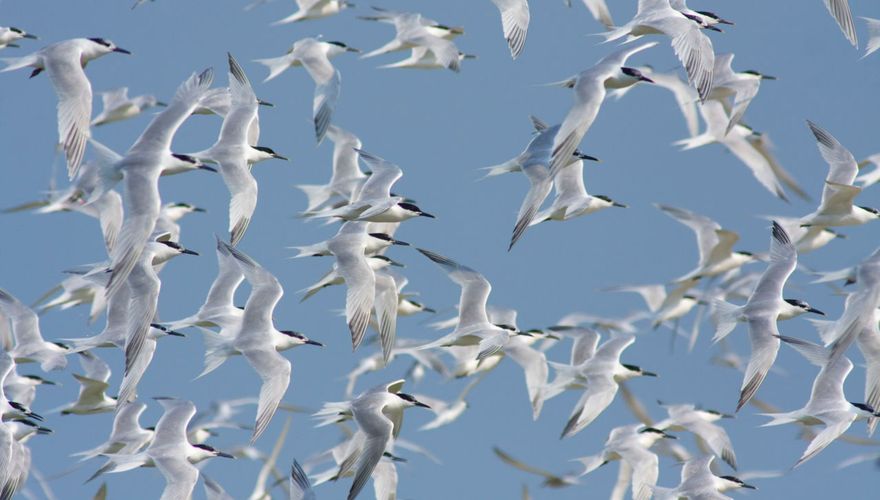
x,y
685,95
860,312
314,55
599,10
413,31
140,169
590,88
700,423
515,23
572,199
743,86
375,244
692,47
374,201
601,374
407,347
715,244
839,10
764,308
28,343
631,444
93,386
118,106
236,151
314,9
219,307
126,437
551,480
10,409
300,487
698,481
836,207
379,415
828,404
872,177
170,452
665,306
10,34
334,277
806,239
873,44
143,291
347,176
473,327
260,342
23,388
423,58
65,63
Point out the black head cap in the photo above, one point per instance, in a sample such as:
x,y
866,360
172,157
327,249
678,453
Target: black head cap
x,y
186,158
101,41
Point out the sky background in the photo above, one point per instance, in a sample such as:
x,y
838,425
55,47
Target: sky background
x,y
441,127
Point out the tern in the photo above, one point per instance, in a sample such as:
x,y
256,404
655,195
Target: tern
x,y
700,422
572,199
127,436
764,308
347,176
118,106
664,305
300,487
65,63
379,415
473,327
551,480
28,343
698,481
374,201
836,207
631,444
236,152
742,86
714,243
314,55
447,412
806,239
11,410
413,31
140,168
258,339
23,388
314,9
685,96
375,243
589,91
692,47
170,452
423,58
93,386
860,313
839,10
515,23
407,347
828,404
10,34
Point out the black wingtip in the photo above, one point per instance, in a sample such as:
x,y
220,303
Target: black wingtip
x,y
780,235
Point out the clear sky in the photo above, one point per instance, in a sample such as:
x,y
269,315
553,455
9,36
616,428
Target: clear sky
x,y
440,128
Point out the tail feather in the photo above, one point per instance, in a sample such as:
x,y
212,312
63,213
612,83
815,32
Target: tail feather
x,y
14,63
276,65
724,316
216,351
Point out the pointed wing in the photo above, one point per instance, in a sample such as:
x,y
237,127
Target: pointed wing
x,y
274,370
514,22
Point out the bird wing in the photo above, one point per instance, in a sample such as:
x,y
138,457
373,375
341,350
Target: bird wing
x,y
180,477
229,277
74,106
842,166
300,487
514,22
243,190
475,290
274,370
765,346
384,175
600,392
385,303
243,108
378,429
540,184
693,48
839,9
835,424
705,229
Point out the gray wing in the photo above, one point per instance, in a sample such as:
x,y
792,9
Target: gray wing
x,y
514,22
300,487
274,370
385,174
74,106
842,166
765,346
243,192
180,477
385,303
839,9
475,290
540,184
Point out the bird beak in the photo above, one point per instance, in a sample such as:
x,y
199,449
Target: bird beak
x,y
727,415
458,30
648,80
429,310
224,455
278,156
32,37
199,209
749,486
162,104
527,334
352,49
725,21
265,103
398,242
207,167
714,28
814,310
551,336
767,77
423,405
394,263
173,333
669,436
44,430
649,374
426,214
314,342
582,156
121,50
189,252
621,205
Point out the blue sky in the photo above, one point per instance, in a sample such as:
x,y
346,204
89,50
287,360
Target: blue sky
x,y
440,128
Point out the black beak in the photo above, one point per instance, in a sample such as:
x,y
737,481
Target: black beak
x,y
32,37
265,103
207,167
197,209
423,405
163,104
648,374
44,430
646,79
621,205
173,333
669,436
398,242
121,51
36,72
582,156
188,251
395,263
426,214
352,49
527,334
767,77
314,342
714,28
749,486
279,157
816,311
429,310
224,455
725,21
